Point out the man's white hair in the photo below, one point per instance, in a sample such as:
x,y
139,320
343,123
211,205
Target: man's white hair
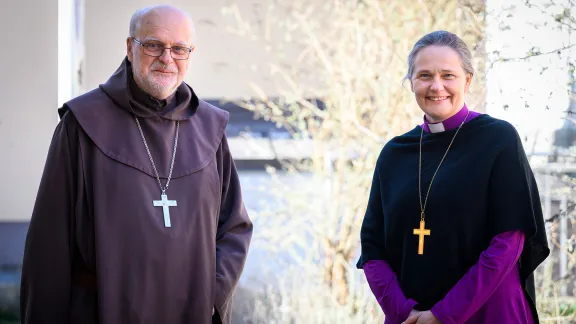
x,y
136,19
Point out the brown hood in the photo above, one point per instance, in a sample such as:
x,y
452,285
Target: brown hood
x,y
118,88
106,115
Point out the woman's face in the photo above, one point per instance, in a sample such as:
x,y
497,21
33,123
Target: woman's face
x,y
439,82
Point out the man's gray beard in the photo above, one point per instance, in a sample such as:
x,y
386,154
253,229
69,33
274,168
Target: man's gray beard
x,y
156,90
152,88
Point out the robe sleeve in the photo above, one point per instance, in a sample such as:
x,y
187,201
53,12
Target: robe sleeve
x,y
233,235
385,287
372,230
45,287
516,225
480,282
380,276
514,204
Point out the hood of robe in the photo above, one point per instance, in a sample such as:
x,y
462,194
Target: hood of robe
x,y
107,115
121,88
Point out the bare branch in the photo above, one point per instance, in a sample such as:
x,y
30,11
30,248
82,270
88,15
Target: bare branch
x,y
536,54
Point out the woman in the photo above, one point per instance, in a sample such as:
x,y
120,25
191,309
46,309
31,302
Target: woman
x,y
453,228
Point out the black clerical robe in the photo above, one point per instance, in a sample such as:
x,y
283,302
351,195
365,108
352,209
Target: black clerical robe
x,y
98,250
484,187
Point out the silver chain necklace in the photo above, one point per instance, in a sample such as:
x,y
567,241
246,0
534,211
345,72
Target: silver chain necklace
x,y
164,202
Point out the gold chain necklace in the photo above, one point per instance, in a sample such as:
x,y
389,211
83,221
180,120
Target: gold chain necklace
x,y
422,231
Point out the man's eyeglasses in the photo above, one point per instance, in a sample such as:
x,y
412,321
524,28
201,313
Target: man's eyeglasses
x,y
156,49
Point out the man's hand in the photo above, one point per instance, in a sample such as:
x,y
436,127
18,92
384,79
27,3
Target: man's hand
x,y
422,318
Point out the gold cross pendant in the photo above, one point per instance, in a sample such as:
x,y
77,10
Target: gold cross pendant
x,y
421,232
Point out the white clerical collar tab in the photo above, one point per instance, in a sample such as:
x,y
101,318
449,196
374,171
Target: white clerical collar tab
x,y
436,128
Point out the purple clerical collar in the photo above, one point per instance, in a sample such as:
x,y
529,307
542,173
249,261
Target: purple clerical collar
x,y
450,123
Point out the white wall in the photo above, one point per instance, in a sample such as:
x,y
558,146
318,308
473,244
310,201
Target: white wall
x,y
219,66
29,90
540,82
70,49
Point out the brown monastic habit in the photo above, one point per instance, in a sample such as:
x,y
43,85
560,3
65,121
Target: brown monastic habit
x,y
98,250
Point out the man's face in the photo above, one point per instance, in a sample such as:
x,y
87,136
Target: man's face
x,y
160,76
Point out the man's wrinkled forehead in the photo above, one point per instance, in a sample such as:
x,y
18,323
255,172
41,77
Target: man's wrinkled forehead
x,y
162,22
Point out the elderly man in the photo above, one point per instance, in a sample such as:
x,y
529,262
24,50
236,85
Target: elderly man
x,y
139,216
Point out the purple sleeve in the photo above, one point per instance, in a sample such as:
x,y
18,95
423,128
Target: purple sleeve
x,y
478,284
385,287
